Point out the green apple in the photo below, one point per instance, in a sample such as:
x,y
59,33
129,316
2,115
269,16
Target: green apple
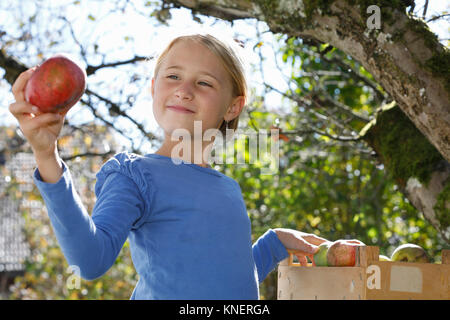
x,y
383,258
410,253
320,257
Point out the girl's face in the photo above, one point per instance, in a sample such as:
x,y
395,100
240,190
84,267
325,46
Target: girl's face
x,y
192,77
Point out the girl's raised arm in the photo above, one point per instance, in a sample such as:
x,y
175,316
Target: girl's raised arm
x,y
40,129
91,243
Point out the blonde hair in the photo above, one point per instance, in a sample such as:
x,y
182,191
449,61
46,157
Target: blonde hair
x,y
228,54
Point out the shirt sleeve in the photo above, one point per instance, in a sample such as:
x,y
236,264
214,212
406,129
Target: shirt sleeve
x,y
93,243
268,251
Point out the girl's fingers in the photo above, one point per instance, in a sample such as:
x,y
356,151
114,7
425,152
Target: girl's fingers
x,y
311,257
45,119
19,84
23,109
302,260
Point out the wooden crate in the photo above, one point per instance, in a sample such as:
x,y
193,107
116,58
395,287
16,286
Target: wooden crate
x,y
369,279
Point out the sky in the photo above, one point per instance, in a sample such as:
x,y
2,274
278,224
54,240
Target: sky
x,y
112,32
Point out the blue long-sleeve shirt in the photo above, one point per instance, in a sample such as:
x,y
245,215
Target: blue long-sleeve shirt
x,y
189,232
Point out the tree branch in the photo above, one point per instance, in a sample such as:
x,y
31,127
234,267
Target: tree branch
x,y
92,69
301,100
115,108
425,9
438,17
382,97
344,108
312,99
106,122
12,67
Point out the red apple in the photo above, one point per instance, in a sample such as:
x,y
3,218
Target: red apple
x,y
56,84
342,253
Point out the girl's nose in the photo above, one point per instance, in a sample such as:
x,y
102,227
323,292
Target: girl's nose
x,y
184,91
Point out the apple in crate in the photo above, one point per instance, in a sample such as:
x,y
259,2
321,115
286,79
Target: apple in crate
x,y
56,84
342,253
410,252
320,257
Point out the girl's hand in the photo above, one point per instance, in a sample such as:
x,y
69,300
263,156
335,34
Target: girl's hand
x,y
40,129
305,243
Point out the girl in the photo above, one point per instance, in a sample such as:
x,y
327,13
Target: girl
x,y
187,223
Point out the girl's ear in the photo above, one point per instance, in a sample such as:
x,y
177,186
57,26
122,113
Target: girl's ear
x,y
236,107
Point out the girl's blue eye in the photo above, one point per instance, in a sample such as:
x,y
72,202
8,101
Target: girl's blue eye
x,y
175,77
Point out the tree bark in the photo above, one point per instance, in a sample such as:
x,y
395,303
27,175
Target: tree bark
x,y
404,57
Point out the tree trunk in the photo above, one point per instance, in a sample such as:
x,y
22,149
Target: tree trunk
x,y
421,172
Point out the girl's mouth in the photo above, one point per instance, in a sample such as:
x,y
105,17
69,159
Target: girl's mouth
x,y
180,109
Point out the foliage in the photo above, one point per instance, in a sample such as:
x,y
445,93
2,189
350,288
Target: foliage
x,y
47,275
